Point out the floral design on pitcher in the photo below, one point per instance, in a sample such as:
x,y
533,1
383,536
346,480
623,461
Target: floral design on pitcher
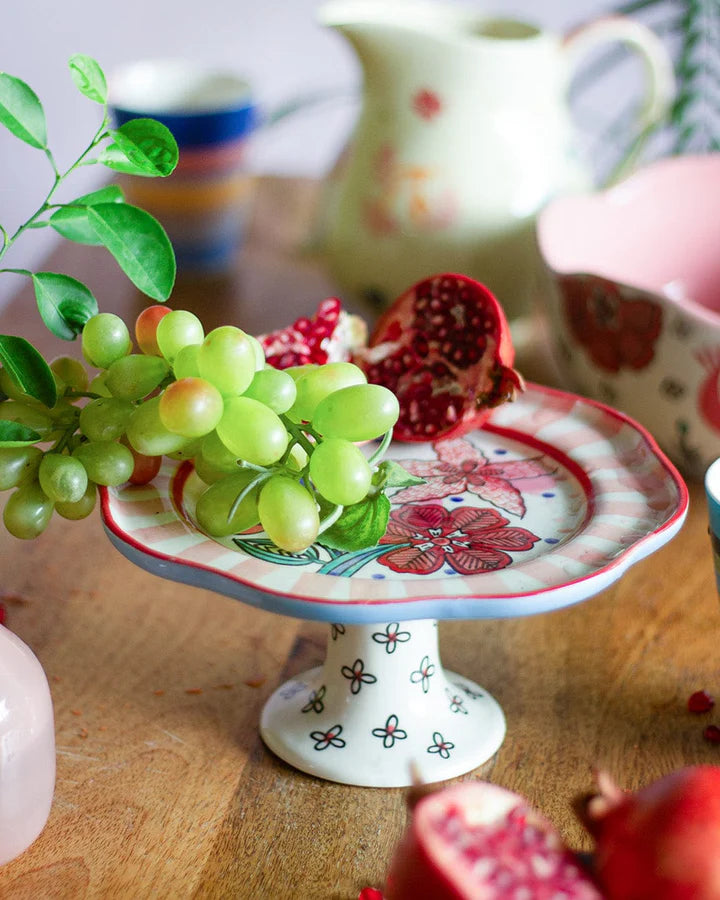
x,y
357,676
426,104
708,397
422,539
618,326
457,703
461,467
316,701
408,198
390,732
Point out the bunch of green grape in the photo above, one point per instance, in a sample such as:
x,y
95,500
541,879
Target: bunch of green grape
x,y
275,447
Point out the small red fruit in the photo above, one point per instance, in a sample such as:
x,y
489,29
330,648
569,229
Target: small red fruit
x,y
444,349
712,734
477,841
700,702
331,335
661,843
146,329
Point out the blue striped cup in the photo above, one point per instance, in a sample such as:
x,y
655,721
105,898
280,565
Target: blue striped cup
x,y
204,204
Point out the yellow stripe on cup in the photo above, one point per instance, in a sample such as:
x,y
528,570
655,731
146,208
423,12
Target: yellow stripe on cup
x,y
187,196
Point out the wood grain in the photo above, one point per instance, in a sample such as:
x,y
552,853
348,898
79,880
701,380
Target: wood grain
x,y
164,788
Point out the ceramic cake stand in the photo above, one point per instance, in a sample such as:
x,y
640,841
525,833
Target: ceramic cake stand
x,y
545,506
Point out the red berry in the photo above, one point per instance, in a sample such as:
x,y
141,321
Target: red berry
x,y
700,702
712,734
3,614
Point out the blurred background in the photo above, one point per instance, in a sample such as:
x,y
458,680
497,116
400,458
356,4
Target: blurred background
x,y
278,46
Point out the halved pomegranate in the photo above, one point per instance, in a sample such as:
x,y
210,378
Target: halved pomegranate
x,y
444,349
331,335
478,841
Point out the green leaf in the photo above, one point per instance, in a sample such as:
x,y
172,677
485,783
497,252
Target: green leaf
x,y
139,244
27,369
89,77
13,434
142,147
391,474
360,525
21,111
71,220
65,303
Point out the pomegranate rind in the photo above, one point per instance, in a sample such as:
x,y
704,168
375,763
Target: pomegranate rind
x,y
445,350
477,841
663,842
330,335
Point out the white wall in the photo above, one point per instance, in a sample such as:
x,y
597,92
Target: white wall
x,y
275,43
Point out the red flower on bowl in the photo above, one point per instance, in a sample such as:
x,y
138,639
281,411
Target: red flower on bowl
x,y
470,540
617,326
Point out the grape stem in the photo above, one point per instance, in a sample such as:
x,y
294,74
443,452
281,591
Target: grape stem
x,y
262,475
330,519
382,448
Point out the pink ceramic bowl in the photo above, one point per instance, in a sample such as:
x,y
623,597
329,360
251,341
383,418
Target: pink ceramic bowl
x,y
634,300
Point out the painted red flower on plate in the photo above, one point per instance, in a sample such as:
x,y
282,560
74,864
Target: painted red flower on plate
x,y
617,326
468,539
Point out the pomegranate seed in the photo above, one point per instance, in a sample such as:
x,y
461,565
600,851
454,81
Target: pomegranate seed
x,y
3,614
700,702
712,734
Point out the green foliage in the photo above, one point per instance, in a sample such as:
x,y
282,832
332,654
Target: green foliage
x,y
134,238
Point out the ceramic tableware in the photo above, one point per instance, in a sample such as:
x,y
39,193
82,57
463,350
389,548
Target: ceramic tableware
x,y
464,134
634,300
27,747
204,205
545,506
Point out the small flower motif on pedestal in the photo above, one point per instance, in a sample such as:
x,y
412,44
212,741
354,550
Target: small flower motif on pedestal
x,y
423,674
390,733
336,630
357,675
391,637
472,694
457,704
441,746
329,738
316,701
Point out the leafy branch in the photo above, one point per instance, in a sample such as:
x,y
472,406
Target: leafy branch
x,y
133,237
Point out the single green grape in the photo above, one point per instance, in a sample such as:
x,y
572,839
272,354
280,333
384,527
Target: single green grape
x,y
63,478
35,417
178,329
27,511
105,338
189,450
135,376
317,383
252,431
185,364
97,385
105,419
18,465
214,461
106,462
147,434
226,358
288,513
79,509
360,412
72,372
214,505
191,407
274,388
258,351
340,472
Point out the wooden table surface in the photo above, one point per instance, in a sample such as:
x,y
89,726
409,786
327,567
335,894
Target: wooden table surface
x,y
164,788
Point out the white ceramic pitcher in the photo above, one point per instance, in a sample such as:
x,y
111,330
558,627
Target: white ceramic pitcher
x,y
464,134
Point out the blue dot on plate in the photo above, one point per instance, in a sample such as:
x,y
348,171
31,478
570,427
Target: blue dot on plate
x,y
457,499
552,540
449,572
500,451
378,576
548,493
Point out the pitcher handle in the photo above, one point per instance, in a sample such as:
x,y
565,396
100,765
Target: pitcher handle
x,y
659,72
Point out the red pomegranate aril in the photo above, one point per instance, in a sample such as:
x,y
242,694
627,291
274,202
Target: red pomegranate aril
x,y
700,702
712,735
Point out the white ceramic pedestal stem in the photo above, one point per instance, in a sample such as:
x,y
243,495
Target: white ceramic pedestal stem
x,y
380,707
